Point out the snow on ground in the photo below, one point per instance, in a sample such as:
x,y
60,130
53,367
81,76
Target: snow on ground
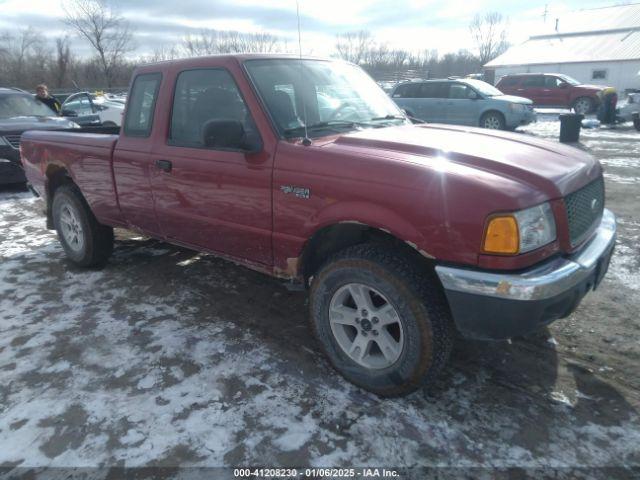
x,y
167,357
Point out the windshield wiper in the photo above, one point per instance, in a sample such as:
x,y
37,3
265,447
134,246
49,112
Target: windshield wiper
x,y
388,117
330,125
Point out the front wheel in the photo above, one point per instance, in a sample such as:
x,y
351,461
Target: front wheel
x,y
492,121
381,321
86,242
583,105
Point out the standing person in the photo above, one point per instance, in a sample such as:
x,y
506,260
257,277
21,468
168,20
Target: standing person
x,y
42,94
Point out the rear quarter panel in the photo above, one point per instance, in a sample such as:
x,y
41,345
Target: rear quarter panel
x,y
86,157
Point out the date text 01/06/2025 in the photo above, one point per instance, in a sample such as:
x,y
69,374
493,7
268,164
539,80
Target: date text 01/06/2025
x,y
315,473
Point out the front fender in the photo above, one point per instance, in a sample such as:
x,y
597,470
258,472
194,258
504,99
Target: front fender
x,y
369,214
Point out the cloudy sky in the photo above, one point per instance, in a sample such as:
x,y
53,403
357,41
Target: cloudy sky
x,y
409,24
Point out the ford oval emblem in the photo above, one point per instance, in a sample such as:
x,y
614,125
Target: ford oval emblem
x,y
594,204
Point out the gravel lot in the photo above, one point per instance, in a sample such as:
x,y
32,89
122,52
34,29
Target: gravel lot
x,y
167,357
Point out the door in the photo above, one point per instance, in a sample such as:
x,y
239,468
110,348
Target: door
x,y
205,195
433,97
555,91
532,87
463,105
131,160
407,97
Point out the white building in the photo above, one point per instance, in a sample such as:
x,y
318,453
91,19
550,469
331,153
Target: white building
x,y
598,46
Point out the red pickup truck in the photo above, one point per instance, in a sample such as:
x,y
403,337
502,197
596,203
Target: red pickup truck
x,y
305,170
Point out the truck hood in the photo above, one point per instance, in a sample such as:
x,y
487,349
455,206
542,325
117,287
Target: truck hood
x,y
548,167
20,124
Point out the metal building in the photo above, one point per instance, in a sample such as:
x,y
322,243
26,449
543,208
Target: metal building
x,y
598,46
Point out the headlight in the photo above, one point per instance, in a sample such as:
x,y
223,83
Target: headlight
x,y
521,231
3,142
517,107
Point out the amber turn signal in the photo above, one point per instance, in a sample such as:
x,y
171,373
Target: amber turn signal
x,y
501,236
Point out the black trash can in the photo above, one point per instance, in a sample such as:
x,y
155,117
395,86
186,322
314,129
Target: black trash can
x,y
636,120
570,124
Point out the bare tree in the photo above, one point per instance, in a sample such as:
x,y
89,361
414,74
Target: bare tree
x,y
355,46
24,54
163,53
62,61
108,33
489,32
210,42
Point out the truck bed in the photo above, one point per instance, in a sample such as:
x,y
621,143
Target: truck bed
x,y
85,155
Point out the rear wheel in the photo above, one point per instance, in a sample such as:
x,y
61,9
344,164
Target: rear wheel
x,y
382,322
583,105
85,241
492,121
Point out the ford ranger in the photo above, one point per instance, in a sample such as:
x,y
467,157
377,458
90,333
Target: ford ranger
x,y
404,235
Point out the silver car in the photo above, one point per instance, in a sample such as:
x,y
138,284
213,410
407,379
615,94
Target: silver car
x,y
463,102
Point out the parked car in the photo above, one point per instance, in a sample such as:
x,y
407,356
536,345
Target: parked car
x,y
401,233
20,111
84,103
626,109
553,90
463,102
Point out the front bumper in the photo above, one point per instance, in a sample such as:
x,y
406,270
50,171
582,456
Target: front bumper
x,y
10,168
513,120
496,306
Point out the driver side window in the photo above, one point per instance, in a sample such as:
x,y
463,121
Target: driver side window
x,y
203,97
552,82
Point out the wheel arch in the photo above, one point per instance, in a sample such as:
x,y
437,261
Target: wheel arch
x,y
56,176
331,238
492,110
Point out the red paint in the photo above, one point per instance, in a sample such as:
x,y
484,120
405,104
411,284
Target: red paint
x,y
547,95
430,186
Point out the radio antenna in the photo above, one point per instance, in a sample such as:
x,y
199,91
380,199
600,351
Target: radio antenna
x,y
305,141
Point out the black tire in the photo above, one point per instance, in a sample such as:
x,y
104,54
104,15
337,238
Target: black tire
x,y
420,305
583,105
97,239
492,121
109,123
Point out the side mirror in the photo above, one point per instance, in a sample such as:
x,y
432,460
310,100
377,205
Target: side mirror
x,y
564,85
69,113
226,134
472,95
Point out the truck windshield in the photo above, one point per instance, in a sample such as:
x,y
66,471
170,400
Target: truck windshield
x,y
22,105
333,97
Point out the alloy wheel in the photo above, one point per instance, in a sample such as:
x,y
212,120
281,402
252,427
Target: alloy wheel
x,y
366,326
71,227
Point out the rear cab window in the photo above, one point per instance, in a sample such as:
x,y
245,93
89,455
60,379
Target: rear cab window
x,y
140,109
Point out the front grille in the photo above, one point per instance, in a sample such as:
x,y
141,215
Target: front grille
x,y
584,209
14,140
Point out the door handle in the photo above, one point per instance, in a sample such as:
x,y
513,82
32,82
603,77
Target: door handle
x,y
164,165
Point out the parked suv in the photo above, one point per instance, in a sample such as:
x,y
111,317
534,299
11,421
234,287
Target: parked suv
x,y
553,90
21,111
463,102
